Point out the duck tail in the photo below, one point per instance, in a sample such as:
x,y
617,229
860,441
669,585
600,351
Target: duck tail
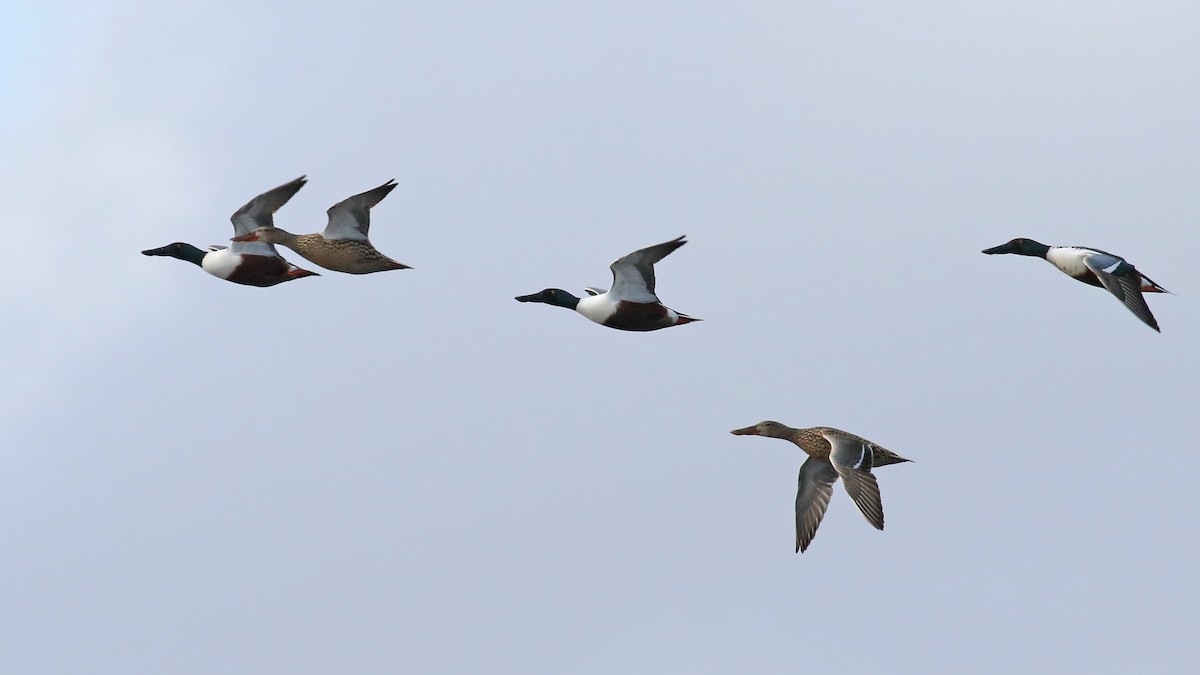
x,y
883,457
1148,286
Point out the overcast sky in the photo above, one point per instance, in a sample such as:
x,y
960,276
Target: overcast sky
x,y
412,472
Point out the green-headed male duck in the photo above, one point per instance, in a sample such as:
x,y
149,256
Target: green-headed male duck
x,y
1095,267
631,303
250,263
832,454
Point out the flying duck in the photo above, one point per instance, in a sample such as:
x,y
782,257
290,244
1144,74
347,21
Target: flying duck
x,y
343,246
631,303
1095,267
249,263
832,454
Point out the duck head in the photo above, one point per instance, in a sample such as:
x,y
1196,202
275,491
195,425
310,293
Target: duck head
x,y
178,250
552,296
1020,246
767,428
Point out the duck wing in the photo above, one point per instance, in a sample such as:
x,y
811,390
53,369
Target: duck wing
x,y
1124,281
260,212
851,457
812,498
633,275
351,217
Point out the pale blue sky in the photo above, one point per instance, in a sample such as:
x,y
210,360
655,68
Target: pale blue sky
x,y
24,36
412,472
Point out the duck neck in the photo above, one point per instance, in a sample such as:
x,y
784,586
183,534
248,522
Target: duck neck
x,y
782,431
284,237
1034,248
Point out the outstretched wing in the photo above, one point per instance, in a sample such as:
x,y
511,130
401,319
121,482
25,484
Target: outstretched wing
x,y
1122,280
633,275
812,498
851,457
260,212
351,218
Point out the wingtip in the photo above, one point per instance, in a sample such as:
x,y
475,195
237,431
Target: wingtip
x,y
386,189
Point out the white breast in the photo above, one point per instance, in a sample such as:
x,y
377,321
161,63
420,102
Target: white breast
x,y
598,308
221,263
1069,259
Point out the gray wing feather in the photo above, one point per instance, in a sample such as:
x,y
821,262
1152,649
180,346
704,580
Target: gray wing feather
x,y
1124,281
633,275
812,498
351,217
852,459
260,212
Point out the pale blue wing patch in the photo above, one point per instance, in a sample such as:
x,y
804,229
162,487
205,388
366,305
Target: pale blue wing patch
x,y
253,248
633,275
260,211
1124,281
351,217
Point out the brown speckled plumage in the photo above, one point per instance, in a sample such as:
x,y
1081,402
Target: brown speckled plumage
x,y
813,441
344,245
352,256
833,454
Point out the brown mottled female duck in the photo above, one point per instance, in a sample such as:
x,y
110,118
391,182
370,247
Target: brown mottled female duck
x,y
343,246
832,453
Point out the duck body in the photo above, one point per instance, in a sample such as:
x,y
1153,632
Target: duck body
x,y
344,245
630,304
1095,268
628,315
832,454
1079,263
251,270
350,256
248,263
